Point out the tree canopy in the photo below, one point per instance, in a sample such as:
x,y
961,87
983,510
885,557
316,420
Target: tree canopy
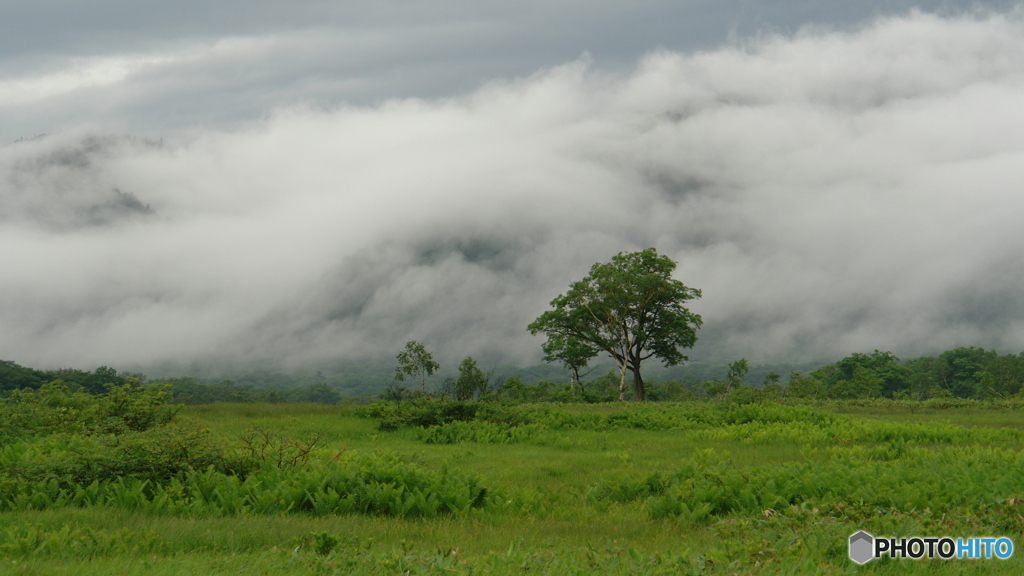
x,y
415,361
630,308
572,352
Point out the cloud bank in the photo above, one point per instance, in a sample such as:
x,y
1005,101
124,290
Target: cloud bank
x,y
153,68
828,191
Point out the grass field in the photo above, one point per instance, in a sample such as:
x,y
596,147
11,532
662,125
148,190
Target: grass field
x,y
582,489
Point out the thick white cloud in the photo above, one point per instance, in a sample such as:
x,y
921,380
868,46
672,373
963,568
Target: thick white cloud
x,y
830,192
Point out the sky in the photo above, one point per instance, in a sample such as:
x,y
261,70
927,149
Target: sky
x,y
291,184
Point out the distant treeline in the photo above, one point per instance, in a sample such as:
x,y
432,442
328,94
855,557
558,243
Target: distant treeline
x,y
181,390
188,391
966,372
15,377
960,373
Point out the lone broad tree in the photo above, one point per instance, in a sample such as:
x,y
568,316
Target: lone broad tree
x,y
630,308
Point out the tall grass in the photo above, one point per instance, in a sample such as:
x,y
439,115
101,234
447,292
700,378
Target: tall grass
x,y
368,484
700,488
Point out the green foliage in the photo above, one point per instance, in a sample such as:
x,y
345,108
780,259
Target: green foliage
x,y
630,308
188,391
415,361
471,381
15,377
366,483
604,388
449,420
425,412
801,386
480,431
716,388
962,369
669,391
51,409
57,408
888,477
132,408
355,554
64,436
261,447
732,386
1002,377
570,351
737,371
75,542
120,449
514,391
753,422
863,384
961,373
570,488
863,376
152,455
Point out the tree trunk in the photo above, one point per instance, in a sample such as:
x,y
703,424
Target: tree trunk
x,y
638,385
622,381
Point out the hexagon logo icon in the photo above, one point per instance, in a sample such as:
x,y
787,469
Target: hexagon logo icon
x,y
862,547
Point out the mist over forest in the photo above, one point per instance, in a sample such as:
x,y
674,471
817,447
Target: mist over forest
x,y
830,191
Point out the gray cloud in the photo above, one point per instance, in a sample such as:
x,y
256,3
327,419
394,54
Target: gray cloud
x,y
830,191
156,69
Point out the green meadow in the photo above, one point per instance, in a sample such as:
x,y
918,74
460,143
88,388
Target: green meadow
x,y
428,487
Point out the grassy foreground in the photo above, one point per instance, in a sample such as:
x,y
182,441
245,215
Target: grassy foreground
x,y
576,489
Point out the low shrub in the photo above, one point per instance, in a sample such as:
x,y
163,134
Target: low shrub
x,y
480,431
152,455
57,408
426,412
